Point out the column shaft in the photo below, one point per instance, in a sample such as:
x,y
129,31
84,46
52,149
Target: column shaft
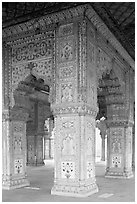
x,y
75,109
14,151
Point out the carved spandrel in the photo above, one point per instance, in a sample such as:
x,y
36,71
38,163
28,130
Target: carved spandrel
x,y
33,50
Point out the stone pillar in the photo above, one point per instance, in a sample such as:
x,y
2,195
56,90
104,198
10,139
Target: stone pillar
x,y
120,123
31,129
40,133
13,130
14,148
74,105
103,148
51,139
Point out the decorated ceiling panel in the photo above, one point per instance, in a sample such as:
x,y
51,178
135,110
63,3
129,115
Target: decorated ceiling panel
x,y
118,16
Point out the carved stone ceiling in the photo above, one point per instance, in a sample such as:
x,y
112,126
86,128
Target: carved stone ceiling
x,y
118,16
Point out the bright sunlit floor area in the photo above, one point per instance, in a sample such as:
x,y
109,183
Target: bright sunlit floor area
x,y
42,178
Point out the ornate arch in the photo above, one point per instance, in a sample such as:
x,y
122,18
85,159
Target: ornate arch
x,y
31,55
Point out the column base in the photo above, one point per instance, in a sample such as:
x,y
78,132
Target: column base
x,y
15,183
124,175
74,191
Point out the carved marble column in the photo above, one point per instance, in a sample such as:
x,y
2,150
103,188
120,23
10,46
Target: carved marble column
x,y
40,133
51,147
74,107
14,146
120,123
31,129
14,130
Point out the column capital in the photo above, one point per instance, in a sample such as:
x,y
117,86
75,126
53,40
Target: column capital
x,y
81,109
123,123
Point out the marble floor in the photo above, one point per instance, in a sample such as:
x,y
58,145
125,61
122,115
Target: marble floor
x,y
41,179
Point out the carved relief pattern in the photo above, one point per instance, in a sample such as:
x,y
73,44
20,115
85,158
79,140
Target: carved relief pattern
x,y
66,30
66,64
91,94
129,133
19,73
82,78
104,64
18,127
68,145
67,72
117,140
116,146
66,50
66,93
68,170
117,132
68,140
129,147
18,130
37,50
91,53
43,69
68,124
32,51
30,149
17,144
7,74
90,138
90,170
65,144
18,166
116,161
89,146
